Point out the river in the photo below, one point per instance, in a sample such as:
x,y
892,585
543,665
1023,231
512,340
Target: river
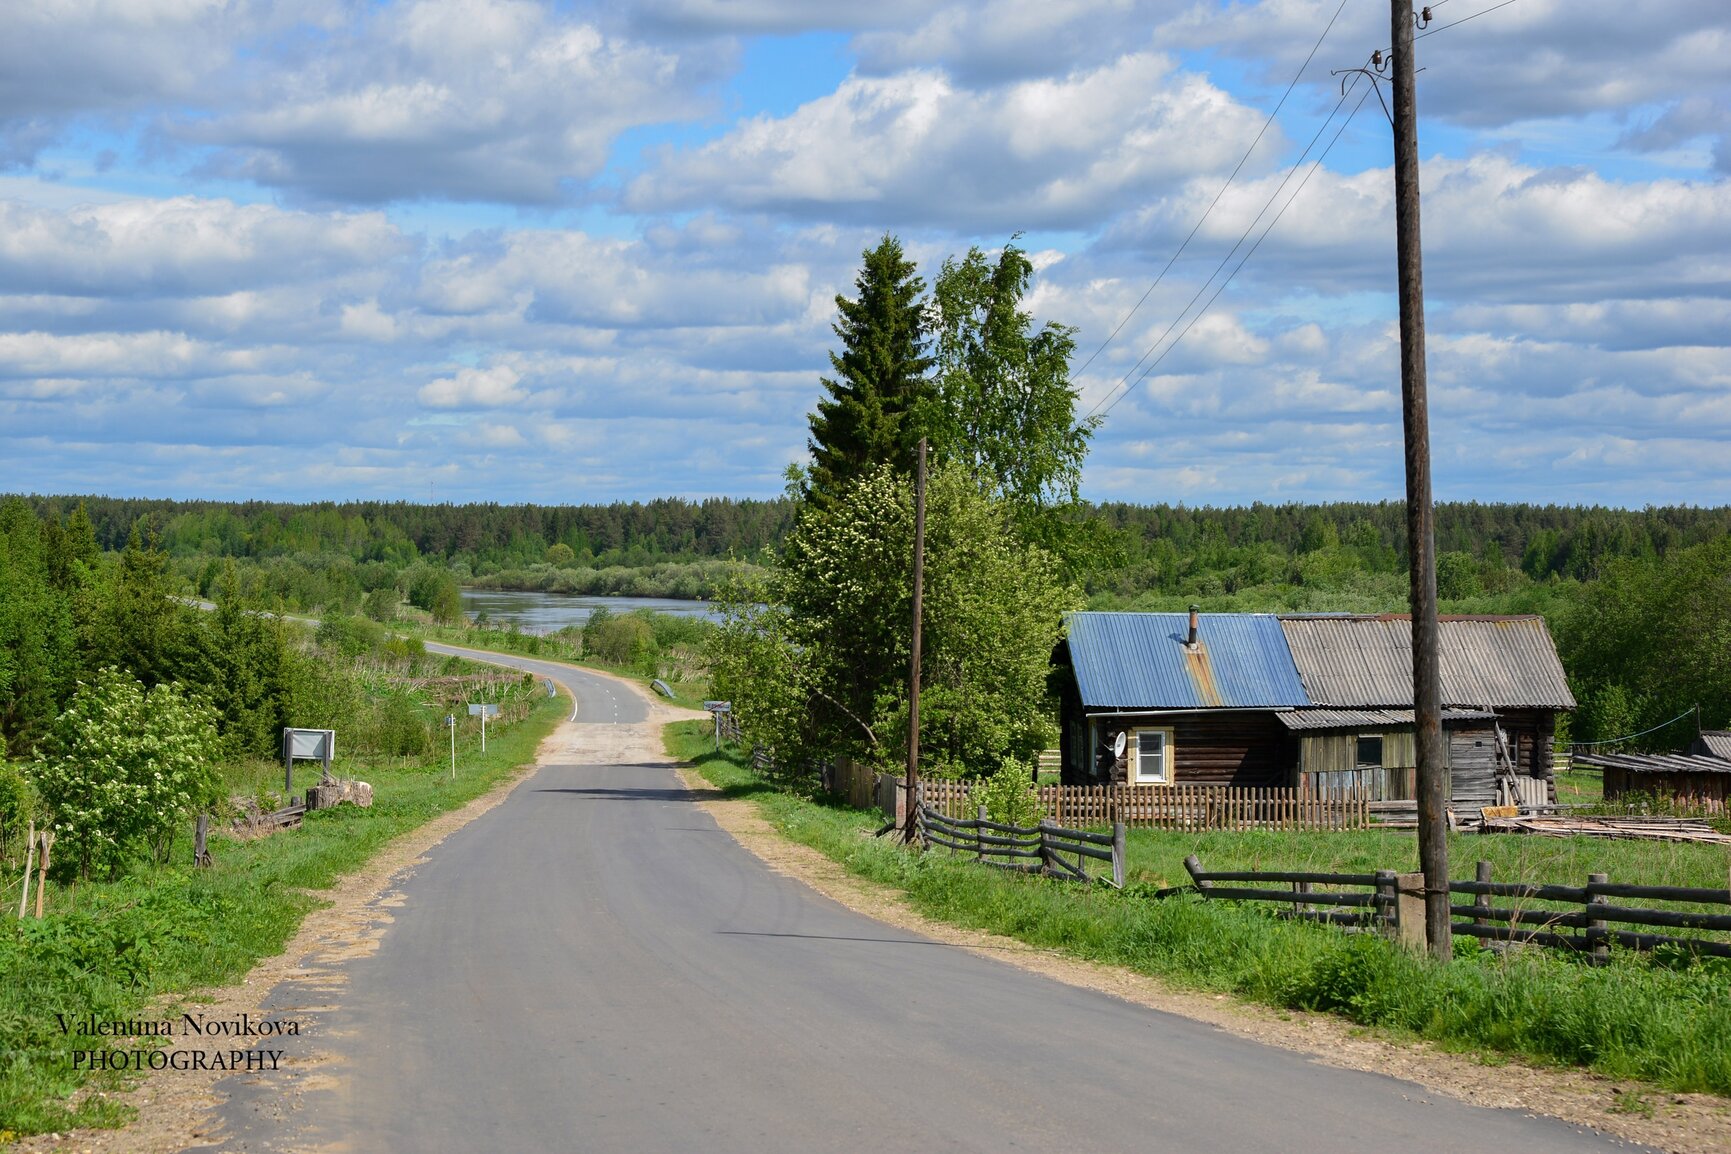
x,y
548,612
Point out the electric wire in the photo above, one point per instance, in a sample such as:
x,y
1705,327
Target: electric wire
x,y
1211,204
1251,252
1643,733
1462,20
1123,381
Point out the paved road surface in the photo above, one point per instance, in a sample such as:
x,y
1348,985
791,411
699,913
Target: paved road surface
x,y
594,966
599,699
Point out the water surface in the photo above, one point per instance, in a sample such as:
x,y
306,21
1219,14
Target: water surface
x,y
548,612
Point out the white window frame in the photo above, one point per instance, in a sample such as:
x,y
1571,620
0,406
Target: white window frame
x,y
1135,753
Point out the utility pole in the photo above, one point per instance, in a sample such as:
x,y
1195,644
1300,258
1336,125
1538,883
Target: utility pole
x,y
911,827
1433,850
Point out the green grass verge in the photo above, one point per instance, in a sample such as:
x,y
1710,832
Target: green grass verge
x,y
1630,1019
112,949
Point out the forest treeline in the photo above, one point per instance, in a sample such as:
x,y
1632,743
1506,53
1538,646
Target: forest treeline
x,y
1161,548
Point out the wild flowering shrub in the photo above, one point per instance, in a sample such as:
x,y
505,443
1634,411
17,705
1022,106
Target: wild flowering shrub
x,y
122,768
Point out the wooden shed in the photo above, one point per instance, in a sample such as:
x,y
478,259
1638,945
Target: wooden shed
x,y
1317,702
1689,780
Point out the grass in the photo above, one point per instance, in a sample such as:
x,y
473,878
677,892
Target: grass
x,y
1580,787
113,949
1631,1019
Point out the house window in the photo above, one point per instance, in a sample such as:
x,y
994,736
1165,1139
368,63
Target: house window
x,y
1151,759
1369,755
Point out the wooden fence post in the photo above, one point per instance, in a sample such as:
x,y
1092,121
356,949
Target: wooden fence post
x,y
1118,855
1596,936
1300,907
47,839
1193,865
200,854
1045,847
29,860
980,834
1410,920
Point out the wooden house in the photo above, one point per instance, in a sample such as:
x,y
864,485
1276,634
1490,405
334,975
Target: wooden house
x,y
1321,703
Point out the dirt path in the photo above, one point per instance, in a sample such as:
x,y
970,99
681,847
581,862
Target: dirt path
x,y
1684,1123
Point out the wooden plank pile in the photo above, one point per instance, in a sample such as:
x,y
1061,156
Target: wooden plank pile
x,y
1633,828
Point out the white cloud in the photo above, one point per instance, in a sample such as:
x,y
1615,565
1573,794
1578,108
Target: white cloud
x,y
916,147
471,388
497,100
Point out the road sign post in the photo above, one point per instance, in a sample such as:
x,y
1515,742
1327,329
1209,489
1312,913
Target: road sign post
x,y
451,724
484,712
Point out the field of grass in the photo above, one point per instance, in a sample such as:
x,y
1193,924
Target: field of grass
x,y
112,949
1630,1019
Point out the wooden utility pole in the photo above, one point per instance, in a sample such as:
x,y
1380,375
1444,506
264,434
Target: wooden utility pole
x,y
1433,851
911,827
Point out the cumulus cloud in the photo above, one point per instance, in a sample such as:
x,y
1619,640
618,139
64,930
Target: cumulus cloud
x,y
917,147
471,388
502,100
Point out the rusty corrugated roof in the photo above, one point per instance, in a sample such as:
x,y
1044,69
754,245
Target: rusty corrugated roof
x,y
1140,661
1487,662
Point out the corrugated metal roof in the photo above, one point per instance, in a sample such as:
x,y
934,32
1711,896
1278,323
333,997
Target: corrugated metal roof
x,y
1311,719
1488,662
1714,743
1140,661
1655,762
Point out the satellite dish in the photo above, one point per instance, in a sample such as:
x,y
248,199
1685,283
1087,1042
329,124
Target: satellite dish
x,y
1120,744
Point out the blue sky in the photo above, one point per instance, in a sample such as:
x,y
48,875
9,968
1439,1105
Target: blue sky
x,y
505,250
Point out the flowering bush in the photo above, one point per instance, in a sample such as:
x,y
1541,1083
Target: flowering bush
x,y
122,768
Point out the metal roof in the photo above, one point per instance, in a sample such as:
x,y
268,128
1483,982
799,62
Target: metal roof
x,y
1714,743
1140,660
1655,762
1300,720
1487,662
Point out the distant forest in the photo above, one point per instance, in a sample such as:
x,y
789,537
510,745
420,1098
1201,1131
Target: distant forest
x,y
1638,600
1159,545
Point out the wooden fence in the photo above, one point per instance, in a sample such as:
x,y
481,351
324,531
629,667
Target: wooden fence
x,y
1578,918
1183,806
1041,849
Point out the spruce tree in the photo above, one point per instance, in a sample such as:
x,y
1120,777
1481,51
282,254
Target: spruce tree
x,y
880,383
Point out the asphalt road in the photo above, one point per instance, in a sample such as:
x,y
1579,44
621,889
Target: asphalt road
x,y
598,699
593,965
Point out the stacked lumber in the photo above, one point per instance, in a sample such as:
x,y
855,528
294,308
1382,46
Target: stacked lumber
x,y
1638,828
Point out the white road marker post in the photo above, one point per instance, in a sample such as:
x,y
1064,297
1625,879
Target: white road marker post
x,y
451,724
485,711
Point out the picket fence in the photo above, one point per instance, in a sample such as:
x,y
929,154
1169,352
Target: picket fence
x,y
1182,806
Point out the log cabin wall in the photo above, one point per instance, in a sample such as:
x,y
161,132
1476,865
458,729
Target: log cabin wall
x,y
1472,756
1223,747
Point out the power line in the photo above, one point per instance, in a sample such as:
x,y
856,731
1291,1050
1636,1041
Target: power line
x,y
1241,162
1462,20
1252,251
1274,196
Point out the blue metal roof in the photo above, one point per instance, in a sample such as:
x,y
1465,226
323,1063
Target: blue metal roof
x,y
1140,661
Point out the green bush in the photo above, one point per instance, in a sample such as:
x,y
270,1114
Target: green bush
x,y
626,639
17,806
1009,796
351,636
122,768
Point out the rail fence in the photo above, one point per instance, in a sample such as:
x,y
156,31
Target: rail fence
x,y
1577,918
1183,806
1042,849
